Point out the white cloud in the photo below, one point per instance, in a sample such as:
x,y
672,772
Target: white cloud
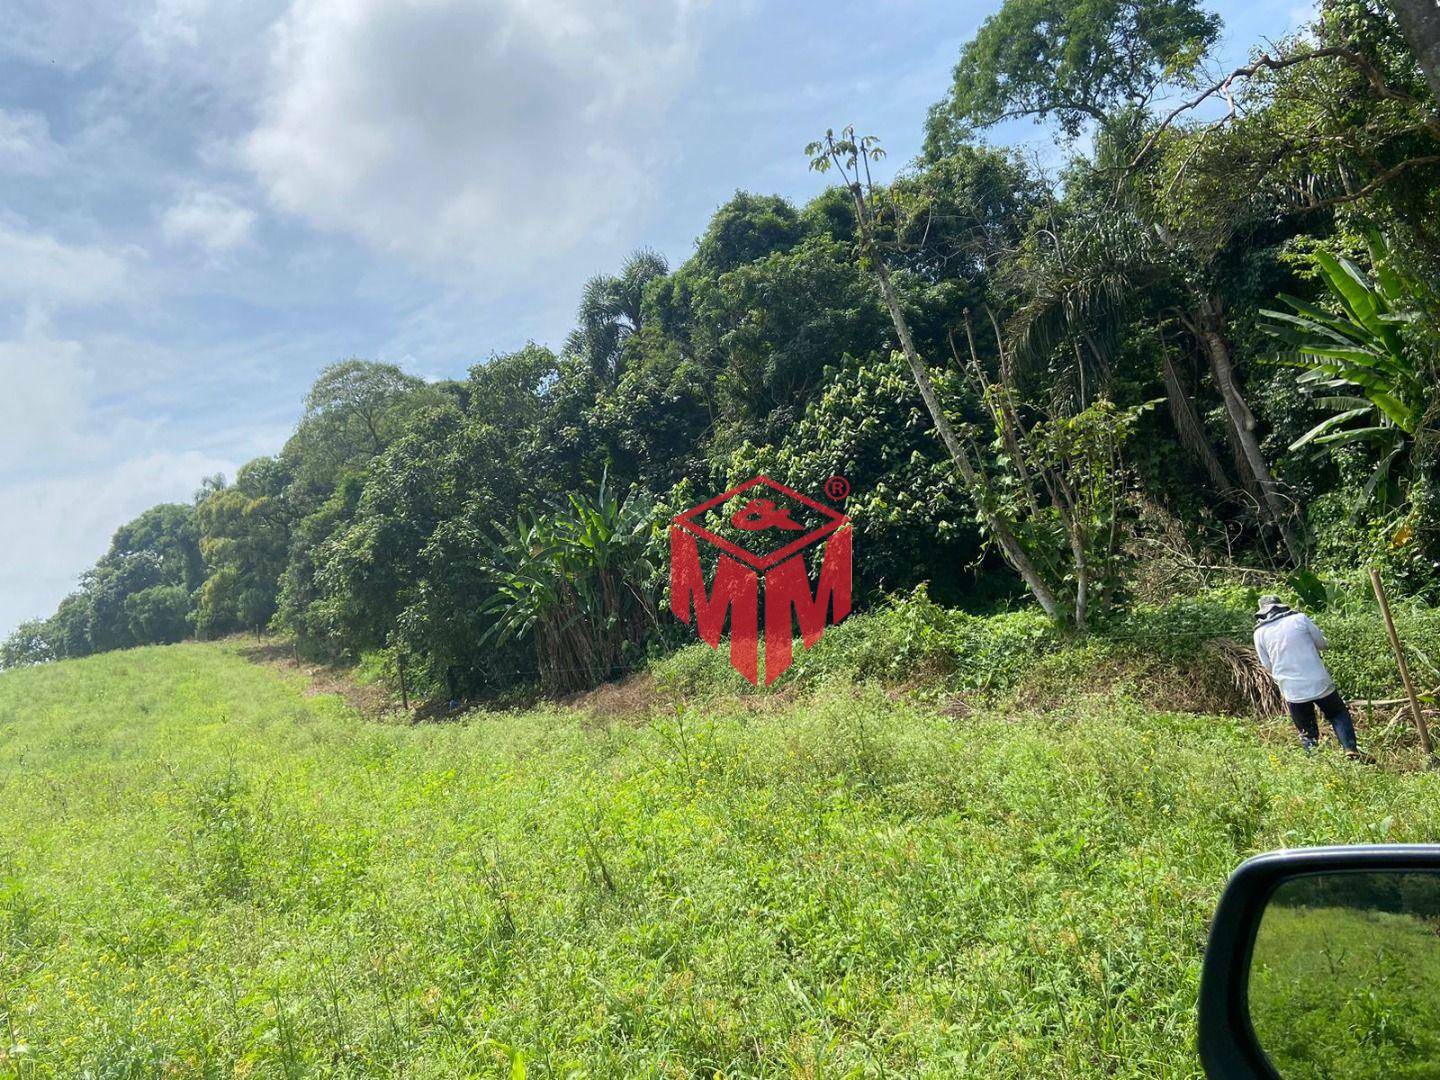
x,y
72,404
208,219
37,268
173,25
25,144
52,529
44,408
68,34
470,132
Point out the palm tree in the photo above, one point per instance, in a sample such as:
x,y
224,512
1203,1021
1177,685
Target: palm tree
x,y
611,309
1083,294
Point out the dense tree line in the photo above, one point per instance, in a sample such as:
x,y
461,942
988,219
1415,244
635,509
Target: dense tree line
x,y
1214,331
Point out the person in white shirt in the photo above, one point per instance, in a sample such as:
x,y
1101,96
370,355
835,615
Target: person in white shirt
x,y
1288,644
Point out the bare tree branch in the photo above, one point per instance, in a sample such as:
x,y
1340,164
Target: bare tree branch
x,y
1277,63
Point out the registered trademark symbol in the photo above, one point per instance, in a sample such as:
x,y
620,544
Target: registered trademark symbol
x,y
837,487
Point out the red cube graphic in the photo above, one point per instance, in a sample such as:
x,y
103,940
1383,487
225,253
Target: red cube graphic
x,y
760,531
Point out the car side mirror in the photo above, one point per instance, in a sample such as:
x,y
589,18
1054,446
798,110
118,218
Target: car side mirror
x,y
1325,962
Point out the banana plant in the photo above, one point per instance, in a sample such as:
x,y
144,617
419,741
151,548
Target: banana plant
x,y
578,583
1357,363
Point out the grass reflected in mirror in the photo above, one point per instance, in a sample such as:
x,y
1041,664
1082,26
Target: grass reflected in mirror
x,y
1345,977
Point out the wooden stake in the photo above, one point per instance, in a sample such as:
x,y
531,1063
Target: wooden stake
x,y
1399,650
404,691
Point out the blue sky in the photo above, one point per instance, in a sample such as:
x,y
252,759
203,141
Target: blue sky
x,y
203,204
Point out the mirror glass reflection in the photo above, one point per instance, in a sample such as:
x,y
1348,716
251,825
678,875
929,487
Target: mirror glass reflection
x,y
1345,976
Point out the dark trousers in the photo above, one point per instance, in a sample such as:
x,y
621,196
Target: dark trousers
x,y
1302,713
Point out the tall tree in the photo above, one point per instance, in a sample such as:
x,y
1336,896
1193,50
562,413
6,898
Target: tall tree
x,y
1420,20
1105,61
354,410
851,157
1078,61
245,538
612,309
170,533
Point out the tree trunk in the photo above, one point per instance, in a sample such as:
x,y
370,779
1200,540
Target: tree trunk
x,y
1010,547
1082,574
1207,323
1190,429
1420,22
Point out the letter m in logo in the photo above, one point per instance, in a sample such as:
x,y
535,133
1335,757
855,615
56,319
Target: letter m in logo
x,y
752,529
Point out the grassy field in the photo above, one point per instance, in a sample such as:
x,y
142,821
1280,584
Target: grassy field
x,y
203,872
1342,994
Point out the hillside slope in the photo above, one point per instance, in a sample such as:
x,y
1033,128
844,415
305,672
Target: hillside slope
x,y
204,872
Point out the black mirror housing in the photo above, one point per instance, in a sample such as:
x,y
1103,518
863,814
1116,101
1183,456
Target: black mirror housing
x,y
1229,1049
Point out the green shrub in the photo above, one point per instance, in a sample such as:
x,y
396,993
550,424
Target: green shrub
x,y
1360,658
696,670
1176,630
1161,652
908,640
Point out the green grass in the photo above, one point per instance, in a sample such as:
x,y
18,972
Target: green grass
x,y
1344,994
205,873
